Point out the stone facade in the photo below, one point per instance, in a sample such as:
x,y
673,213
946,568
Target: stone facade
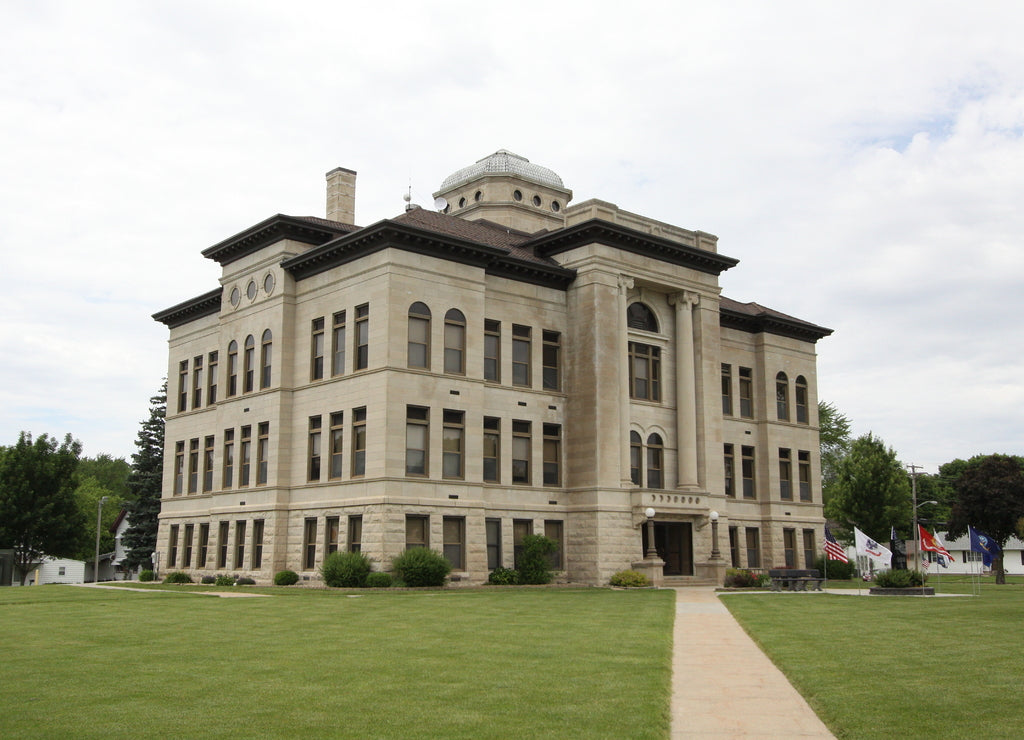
x,y
455,379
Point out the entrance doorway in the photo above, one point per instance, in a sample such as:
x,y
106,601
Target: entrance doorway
x,y
674,543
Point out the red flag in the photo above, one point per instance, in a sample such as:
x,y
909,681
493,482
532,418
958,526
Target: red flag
x,y
932,544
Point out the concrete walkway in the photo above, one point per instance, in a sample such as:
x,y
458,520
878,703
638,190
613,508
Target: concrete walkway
x,y
723,686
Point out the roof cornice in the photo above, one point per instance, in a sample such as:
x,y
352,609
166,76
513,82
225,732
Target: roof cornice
x,y
190,310
274,229
757,322
621,237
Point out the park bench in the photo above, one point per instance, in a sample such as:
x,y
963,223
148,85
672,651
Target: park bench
x,y
792,579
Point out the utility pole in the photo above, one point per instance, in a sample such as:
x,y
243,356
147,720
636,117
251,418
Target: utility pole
x,y
913,493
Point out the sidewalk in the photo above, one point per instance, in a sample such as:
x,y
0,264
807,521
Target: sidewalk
x,y
723,686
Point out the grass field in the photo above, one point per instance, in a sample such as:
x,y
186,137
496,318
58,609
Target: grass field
x,y
537,663
900,667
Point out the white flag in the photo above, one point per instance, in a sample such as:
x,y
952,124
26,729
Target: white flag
x,y
881,556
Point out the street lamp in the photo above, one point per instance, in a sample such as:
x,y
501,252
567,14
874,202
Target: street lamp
x,y
99,518
652,551
715,554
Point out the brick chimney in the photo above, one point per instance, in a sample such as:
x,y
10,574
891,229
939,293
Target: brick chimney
x,y
341,195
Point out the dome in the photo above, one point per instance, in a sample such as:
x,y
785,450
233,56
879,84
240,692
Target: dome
x,y
503,162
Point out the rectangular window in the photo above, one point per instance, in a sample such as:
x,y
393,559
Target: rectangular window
x,y
749,491
183,386
417,436
193,465
309,544
789,547
521,443
172,547
313,472
211,378
204,545
493,528
746,393
553,530
804,462
332,527
208,464
782,397
753,547
644,372
197,382
232,369
636,457
730,471
338,341
245,455
454,444
228,472
655,462
355,533
454,533
552,356
552,455
222,544
262,453
785,475
492,449
266,355
358,442
520,355
801,400
492,350
417,531
455,343
257,544
362,338
734,547
810,551
418,343
726,389
248,364
316,367
239,543
179,468
520,528
186,555
337,443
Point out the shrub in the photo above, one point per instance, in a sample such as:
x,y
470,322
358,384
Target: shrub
x,y
836,570
421,567
207,580
146,575
742,578
535,559
503,577
345,569
286,578
900,579
245,581
177,577
378,580
630,579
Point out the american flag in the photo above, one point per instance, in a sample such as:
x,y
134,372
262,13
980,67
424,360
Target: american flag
x,y
833,550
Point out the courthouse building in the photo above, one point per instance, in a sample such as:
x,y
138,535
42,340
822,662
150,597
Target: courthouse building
x,y
458,377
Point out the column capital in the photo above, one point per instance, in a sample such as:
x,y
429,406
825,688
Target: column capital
x,y
625,283
684,299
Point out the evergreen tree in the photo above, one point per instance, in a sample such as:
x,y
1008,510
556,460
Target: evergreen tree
x,y
144,483
39,514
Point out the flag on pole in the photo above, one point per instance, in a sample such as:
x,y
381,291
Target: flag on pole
x,y
876,553
833,550
899,551
981,542
931,543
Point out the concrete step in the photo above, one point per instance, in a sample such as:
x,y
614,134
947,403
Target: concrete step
x,y
681,581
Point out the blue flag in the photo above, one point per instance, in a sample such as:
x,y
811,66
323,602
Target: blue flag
x,y
981,542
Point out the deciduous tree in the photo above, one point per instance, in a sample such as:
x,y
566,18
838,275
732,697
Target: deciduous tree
x,y
834,439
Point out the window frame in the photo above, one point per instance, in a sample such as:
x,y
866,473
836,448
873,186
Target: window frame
x,y
522,355
522,440
361,337
357,466
454,362
646,356
417,451
491,439
551,463
492,350
317,347
453,444
551,360
418,336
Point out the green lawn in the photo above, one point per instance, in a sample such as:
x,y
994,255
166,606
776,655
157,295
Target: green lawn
x,y
475,663
897,666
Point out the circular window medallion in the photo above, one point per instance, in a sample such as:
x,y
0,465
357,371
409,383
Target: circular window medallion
x,y
555,206
462,202
478,196
236,296
250,290
517,195
268,283
536,200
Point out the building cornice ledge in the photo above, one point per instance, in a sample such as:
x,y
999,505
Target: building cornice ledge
x,y
195,308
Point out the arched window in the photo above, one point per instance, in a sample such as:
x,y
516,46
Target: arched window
x,y
801,400
639,316
455,342
782,396
266,358
655,462
248,360
636,457
232,367
419,335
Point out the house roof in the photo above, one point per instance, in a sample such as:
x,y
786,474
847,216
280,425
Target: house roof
x,y
754,318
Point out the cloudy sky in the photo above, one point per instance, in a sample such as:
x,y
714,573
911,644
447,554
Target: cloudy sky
x,y
864,161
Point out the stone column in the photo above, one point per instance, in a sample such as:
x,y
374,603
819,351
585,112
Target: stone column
x,y
625,284
686,389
